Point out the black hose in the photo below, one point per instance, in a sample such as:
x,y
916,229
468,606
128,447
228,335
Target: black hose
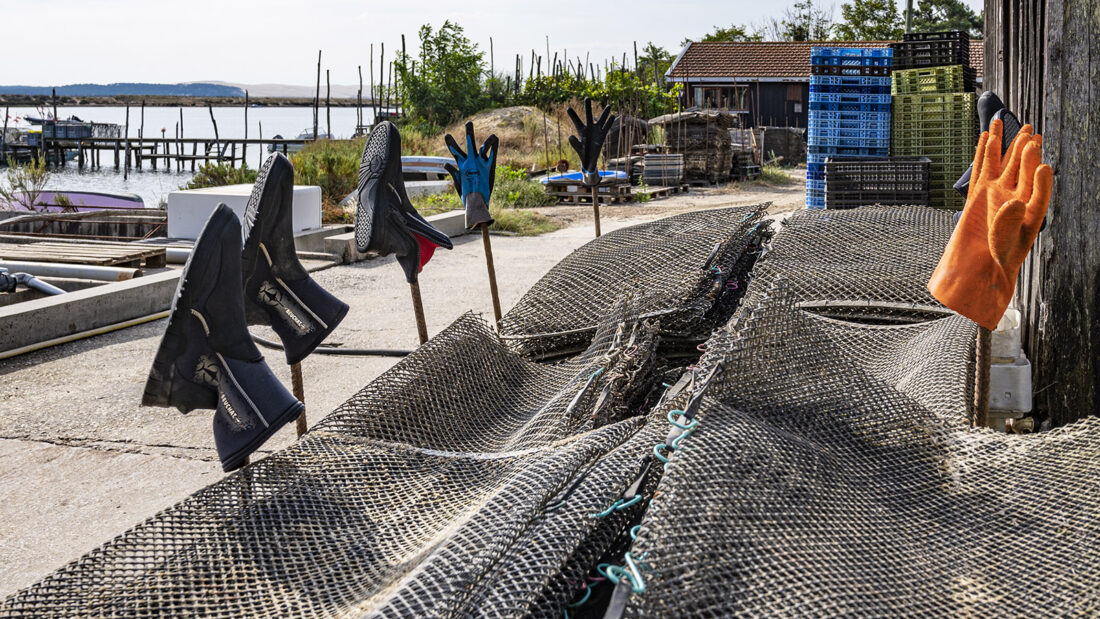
x,y
329,350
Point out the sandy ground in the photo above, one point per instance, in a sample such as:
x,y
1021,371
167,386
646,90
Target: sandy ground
x,y
81,461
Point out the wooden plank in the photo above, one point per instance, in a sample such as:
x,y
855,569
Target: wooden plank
x,y
1067,315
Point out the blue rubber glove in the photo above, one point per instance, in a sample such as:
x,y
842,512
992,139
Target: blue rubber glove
x,y
475,175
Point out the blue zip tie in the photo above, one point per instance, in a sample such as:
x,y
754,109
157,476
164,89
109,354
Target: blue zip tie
x,y
674,413
637,584
657,452
587,594
620,504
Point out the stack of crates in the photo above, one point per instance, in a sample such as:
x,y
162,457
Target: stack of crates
x,y
849,111
934,108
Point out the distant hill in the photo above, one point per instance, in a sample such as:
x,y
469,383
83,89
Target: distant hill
x,y
339,91
195,89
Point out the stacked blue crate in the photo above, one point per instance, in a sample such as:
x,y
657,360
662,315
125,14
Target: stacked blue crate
x,y
849,114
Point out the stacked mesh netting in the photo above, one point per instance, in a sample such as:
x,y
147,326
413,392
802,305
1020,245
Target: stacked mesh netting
x,y
818,485
685,270
462,467
868,264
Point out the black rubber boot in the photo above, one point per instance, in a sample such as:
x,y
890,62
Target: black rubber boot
x,y
278,290
386,221
206,357
989,104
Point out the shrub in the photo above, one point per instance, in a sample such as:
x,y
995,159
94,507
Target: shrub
x,y
220,174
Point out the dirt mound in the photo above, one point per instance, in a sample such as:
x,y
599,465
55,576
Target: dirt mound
x,y
524,132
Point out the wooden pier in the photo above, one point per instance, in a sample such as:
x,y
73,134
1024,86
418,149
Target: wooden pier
x,y
134,153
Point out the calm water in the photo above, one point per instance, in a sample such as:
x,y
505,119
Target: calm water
x,y
154,187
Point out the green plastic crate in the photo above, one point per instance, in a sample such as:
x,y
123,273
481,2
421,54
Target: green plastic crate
x,y
933,80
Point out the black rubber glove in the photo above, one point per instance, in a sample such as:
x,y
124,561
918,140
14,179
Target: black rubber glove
x,y
589,140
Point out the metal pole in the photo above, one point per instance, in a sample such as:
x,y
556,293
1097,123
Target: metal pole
x,y
300,393
596,207
418,310
981,378
492,272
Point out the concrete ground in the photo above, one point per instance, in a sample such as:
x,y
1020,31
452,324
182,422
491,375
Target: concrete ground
x,y
81,461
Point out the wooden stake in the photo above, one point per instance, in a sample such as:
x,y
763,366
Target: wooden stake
x,y
596,207
492,272
328,105
300,393
317,95
982,359
418,310
244,145
126,167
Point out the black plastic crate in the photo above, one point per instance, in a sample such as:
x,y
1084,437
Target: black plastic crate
x,y
932,54
950,35
852,181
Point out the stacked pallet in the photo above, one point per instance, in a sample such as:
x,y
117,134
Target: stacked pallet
x,y
934,108
703,138
849,111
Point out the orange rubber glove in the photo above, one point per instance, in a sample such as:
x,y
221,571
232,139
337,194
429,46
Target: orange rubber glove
x,y
1006,205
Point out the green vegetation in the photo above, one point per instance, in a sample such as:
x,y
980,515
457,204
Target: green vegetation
x,y
733,32
774,175
512,195
445,84
870,20
940,15
24,183
219,174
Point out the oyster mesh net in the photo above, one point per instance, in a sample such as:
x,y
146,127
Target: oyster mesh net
x,y
681,266
817,484
831,470
402,502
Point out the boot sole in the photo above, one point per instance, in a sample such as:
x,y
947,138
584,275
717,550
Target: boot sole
x,y
237,459
372,170
165,381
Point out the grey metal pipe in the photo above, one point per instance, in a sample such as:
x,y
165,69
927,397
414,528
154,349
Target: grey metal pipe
x,y
78,271
31,281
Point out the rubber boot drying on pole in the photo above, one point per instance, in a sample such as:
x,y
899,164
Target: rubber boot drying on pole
x,y
385,220
206,358
588,142
1005,206
278,290
474,176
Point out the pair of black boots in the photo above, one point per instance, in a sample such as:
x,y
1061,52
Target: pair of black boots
x,y
207,358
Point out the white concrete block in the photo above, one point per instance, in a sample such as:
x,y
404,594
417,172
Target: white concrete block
x,y
188,209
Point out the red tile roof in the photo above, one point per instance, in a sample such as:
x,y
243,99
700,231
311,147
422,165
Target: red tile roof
x,y
768,59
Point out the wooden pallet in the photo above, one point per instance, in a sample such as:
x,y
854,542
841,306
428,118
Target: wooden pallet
x,y
664,192
608,194
97,254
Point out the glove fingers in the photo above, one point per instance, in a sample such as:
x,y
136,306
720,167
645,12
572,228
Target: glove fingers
x,y
1010,175
603,118
577,146
471,145
490,147
1030,160
453,171
576,120
979,156
456,152
1005,242
1040,199
991,165
587,111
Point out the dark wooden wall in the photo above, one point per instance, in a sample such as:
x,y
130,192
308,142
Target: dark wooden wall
x,y
1038,59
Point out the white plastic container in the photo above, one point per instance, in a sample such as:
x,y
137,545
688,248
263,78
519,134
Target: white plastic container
x,y
1006,338
188,209
1010,386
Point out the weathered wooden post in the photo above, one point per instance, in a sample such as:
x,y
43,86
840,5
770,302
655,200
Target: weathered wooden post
x,y
217,138
328,105
126,136
244,145
317,96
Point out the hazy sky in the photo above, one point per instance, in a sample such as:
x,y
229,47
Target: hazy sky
x,y
276,41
